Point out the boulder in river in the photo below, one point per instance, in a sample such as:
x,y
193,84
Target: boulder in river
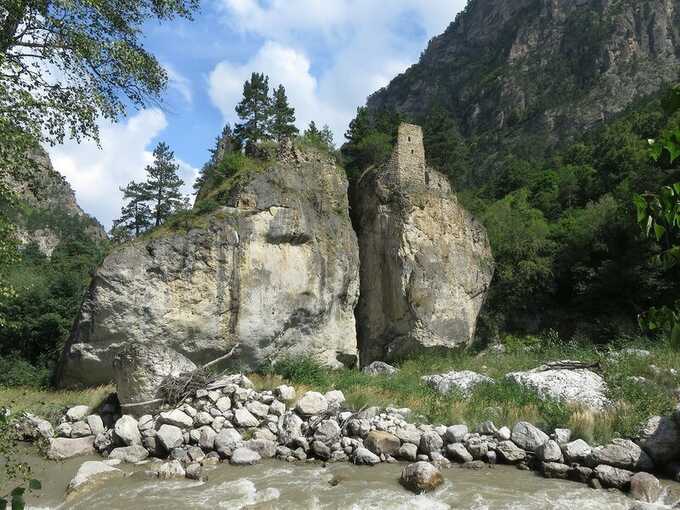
x,y
421,477
527,436
621,453
426,263
382,443
645,487
244,457
61,448
88,473
660,438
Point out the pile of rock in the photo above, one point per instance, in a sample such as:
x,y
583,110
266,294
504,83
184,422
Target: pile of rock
x,y
230,421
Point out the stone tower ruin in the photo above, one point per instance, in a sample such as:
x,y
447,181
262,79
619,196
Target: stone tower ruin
x,y
408,159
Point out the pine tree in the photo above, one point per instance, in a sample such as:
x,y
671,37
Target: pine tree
x,y
312,132
224,144
162,186
254,110
135,215
326,138
283,115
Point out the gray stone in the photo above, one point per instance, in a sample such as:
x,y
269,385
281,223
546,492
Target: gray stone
x,y
510,452
426,264
61,448
335,399
408,451
226,441
130,454
172,469
321,450
580,386
244,457
458,452
430,442
660,438
456,433
170,437
462,382
408,433
645,487
244,418
285,393
32,427
177,418
62,430
127,430
146,422
576,451
258,409
289,427
206,437
195,453
328,432
365,457
203,418
621,453
421,477
311,403
504,434
487,428
80,429
528,437
477,447
549,452
195,472
223,404
269,243
103,441
562,436
380,368
77,413
265,448
613,477
555,470
90,472
382,443
95,423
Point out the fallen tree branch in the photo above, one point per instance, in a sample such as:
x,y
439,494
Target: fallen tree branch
x,y
222,358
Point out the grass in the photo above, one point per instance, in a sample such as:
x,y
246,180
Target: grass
x,y
50,404
506,403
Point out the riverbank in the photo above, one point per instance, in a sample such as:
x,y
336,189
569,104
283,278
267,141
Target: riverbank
x,y
391,414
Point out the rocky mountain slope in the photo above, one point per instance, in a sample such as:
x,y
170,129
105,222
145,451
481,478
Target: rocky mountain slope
x,y
46,198
535,72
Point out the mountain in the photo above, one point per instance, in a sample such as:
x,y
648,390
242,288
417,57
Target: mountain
x,y
59,246
539,112
539,72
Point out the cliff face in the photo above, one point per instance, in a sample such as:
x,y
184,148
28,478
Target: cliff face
x,y
46,197
275,269
540,67
426,264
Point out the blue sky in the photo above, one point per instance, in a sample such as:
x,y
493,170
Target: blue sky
x,y
329,54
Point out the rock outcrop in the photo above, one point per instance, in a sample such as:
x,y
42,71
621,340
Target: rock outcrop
x,y
426,264
274,268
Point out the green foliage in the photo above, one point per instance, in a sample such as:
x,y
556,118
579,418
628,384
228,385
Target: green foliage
x,y
283,115
255,111
48,292
135,215
17,473
320,139
65,65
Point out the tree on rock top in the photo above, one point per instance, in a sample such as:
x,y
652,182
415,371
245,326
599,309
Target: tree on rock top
x,y
135,215
254,110
162,187
283,115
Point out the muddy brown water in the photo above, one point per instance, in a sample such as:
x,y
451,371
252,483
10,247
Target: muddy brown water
x,y
279,485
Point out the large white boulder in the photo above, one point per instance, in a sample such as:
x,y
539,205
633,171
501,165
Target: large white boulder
x,y
576,386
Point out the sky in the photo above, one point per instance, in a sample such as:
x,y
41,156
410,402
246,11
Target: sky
x,y
329,54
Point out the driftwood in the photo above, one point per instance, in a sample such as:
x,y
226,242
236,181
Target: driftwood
x,y
174,390
568,365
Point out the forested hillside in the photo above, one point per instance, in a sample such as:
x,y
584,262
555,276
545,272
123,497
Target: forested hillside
x,y
540,114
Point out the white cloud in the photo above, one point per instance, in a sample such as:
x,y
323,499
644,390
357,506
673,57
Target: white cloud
x,y
96,174
179,83
329,55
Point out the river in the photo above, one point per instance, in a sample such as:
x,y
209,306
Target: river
x,y
278,485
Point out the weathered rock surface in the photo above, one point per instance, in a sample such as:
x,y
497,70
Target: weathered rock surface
x,y
380,368
660,438
462,382
61,448
578,386
130,454
274,268
621,453
527,436
421,477
426,263
645,487
380,443
244,457
613,477
88,473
